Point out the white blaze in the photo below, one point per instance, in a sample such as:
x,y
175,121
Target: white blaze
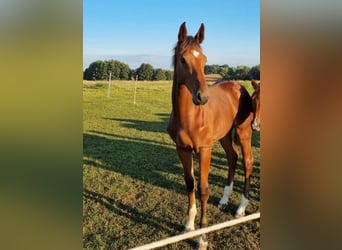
x,y
195,53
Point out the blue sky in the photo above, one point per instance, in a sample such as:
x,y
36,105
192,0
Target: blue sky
x,y
145,31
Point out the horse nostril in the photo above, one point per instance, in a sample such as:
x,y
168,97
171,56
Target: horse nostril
x,y
202,99
199,96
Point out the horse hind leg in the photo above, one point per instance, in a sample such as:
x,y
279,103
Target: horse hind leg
x,y
232,156
185,156
245,135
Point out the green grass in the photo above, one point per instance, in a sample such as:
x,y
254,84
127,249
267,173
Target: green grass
x,y
134,191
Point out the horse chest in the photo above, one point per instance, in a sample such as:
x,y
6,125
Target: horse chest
x,y
193,137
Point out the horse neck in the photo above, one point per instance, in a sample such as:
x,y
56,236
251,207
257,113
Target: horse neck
x,y
181,97
174,93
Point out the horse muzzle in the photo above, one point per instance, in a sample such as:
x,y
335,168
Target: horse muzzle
x,y
199,98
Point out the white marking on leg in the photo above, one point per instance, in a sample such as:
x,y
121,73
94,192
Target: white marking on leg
x,y
201,243
226,194
195,53
190,223
241,209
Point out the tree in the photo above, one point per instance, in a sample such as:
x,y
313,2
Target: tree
x,y
124,71
169,74
207,69
94,71
230,75
254,73
159,74
99,70
145,72
86,74
242,73
119,70
223,70
212,69
113,66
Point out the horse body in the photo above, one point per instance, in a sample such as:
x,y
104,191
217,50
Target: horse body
x,y
202,115
192,125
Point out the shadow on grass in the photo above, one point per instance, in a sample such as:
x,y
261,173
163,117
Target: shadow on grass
x,y
150,126
131,213
145,160
152,161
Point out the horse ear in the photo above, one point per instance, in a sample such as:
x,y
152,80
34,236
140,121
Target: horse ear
x,y
200,34
183,33
255,84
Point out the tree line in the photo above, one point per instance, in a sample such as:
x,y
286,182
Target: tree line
x,y
234,73
100,70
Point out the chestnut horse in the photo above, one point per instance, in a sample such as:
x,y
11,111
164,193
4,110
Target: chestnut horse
x,y
256,105
202,115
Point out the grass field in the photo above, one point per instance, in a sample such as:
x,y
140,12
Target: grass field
x,y
134,192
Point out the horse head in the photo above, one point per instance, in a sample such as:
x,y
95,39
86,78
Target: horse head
x,y
189,62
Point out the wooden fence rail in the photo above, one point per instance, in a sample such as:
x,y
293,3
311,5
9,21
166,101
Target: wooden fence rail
x,y
197,232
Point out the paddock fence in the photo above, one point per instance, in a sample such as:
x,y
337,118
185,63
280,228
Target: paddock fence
x,y
197,232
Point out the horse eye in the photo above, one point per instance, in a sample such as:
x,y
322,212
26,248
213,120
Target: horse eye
x,y
183,60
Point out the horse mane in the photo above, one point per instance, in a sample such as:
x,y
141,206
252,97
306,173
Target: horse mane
x,y
181,47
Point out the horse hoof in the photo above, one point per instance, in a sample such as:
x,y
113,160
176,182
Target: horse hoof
x,y
222,206
202,245
239,215
186,230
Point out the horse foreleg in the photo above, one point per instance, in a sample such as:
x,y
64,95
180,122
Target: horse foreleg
x,y
203,189
246,148
232,156
185,156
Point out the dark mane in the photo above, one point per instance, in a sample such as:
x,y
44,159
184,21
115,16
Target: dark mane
x,y
180,48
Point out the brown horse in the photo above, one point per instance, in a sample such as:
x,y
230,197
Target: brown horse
x,y
256,105
202,115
